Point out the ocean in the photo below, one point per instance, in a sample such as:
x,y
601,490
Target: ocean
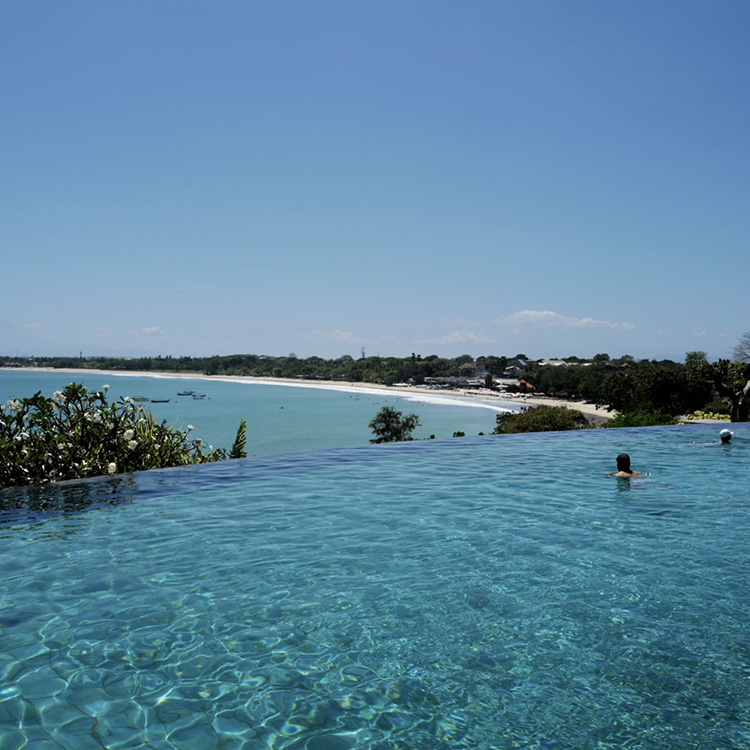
x,y
280,418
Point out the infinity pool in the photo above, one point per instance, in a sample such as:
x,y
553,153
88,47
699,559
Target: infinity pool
x,y
494,592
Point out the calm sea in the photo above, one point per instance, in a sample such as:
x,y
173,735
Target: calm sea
x,y
280,418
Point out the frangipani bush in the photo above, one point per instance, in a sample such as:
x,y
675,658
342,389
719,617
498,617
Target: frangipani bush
x,y
77,433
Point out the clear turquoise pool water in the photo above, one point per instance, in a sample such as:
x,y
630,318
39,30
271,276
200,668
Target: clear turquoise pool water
x,y
495,592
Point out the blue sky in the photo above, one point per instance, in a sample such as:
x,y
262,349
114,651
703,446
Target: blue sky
x,y
488,177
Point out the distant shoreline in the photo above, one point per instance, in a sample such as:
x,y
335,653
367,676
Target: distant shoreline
x,y
460,397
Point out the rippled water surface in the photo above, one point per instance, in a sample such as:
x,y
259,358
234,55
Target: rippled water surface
x,y
494,592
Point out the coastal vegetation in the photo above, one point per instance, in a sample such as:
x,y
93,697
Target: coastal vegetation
x,y
78,433
541,419
640,419
391,426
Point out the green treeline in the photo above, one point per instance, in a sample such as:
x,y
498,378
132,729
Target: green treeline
x,y
381,370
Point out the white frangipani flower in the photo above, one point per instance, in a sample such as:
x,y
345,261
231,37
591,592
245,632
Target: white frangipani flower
x,y
112,468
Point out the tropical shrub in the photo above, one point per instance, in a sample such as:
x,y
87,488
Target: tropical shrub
x,y
541,419
391,426
78,433
640,419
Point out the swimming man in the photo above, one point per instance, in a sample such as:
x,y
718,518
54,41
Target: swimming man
x,y
725,436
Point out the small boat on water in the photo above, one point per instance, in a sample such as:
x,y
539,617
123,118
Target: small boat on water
x,y
159,400
199,395
185,393
141,399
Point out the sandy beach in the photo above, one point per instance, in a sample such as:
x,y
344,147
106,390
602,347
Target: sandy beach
x,y
466,397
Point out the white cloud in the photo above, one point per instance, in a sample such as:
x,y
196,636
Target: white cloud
x,y
147,331
700,334
334,335
33,327
549,319
459,337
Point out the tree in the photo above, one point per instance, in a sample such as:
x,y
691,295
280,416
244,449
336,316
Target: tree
x,y
541,419
741,351
495,365
390,426
649,387
731,380
695,359
626,359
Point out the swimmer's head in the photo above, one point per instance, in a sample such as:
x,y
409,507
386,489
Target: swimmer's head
x,y
726,435
623,463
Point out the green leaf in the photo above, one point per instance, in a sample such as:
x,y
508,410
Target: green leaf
x,y
238,448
